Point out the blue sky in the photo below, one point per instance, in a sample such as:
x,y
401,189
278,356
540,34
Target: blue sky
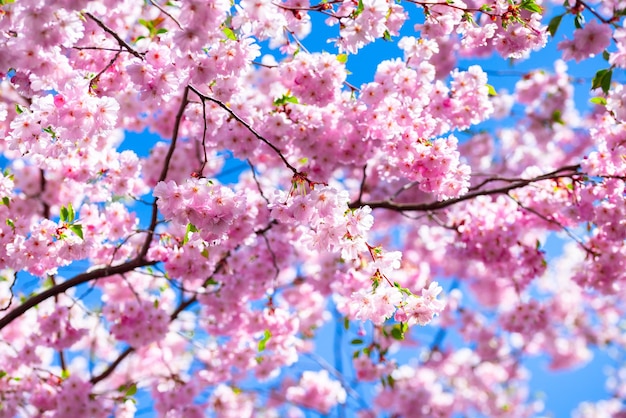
x,y
563,390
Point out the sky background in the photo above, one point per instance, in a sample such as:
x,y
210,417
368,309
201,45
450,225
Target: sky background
x,y
561,391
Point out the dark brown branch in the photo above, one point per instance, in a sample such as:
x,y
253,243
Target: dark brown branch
x,y
5,308
567,171
166,13
256,180
115,35
94,81
68,284
556,223
247,126
166,164
107,372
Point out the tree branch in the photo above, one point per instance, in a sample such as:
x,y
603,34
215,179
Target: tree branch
x,y
566,171
115,35
68,284
247,126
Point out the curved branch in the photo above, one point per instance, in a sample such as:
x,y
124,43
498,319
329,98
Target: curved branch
x,y
166,165
247,126
68,284
566,171
115,35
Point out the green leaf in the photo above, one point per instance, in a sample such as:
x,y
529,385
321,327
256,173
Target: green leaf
x,y
78,230
65,374
131,390
70,213
266,336
606,55
356,341
397,334
578,21
485,8
2,374
18,109
284,99
556,117
63,214
387,36
491,90
598,100
342,58
230,34
6,201
10,223
602,80
346,323
359,9
553,26
531,6
190,228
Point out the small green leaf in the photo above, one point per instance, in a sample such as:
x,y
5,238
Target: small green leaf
x,y
284,99
397,334
6,201
78,230
556,117
131,390
578,21
356,354
602,80
359,9
18,109
356,341
63,214
230,34
387,36
491,90
598,100
342,58
70,213
266,336
531,6
485,8
10,223
554,24
65,374
606,55
346,323
205,253
190,228
2,374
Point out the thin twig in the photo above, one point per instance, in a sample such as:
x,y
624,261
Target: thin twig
x,y
256,180
552,221
247,126
166,13
115,35
567,171
11,292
